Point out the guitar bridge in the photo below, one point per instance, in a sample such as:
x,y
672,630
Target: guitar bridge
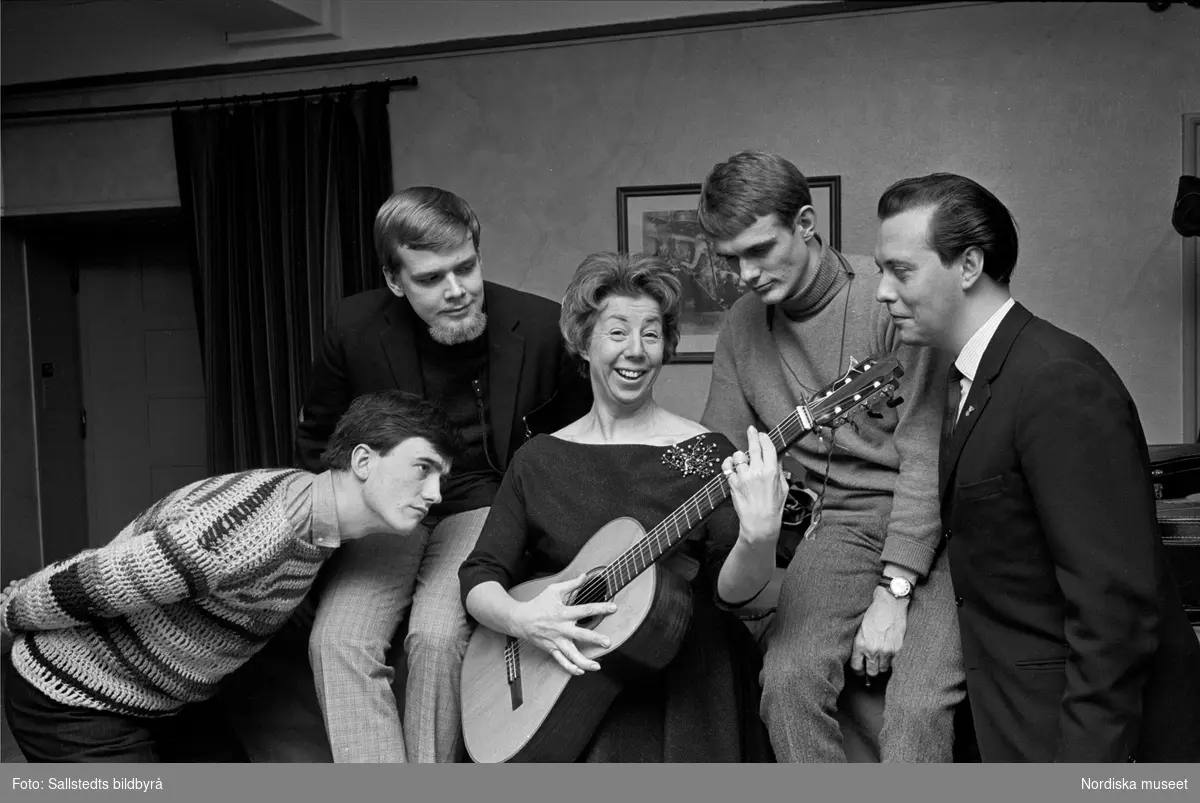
x,y
512,668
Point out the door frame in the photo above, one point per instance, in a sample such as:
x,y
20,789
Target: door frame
x,y
50,296
1191,294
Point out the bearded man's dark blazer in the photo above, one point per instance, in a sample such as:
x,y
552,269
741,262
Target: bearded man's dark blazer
x,y
534,384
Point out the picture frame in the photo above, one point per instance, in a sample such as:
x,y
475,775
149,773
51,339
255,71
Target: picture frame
x,y
661,219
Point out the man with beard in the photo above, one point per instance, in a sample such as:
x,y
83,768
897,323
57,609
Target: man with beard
x,y
493,357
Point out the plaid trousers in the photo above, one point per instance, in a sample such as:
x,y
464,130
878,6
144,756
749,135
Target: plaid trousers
x,y
374,581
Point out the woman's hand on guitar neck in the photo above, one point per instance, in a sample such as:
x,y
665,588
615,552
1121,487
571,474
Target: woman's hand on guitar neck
x,y
759,488
548,622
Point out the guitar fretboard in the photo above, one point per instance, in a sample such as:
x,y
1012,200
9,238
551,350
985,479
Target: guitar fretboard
x,y
675,527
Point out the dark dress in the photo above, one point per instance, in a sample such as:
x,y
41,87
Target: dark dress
x,y
556,494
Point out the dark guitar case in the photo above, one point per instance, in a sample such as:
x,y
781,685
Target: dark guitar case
x,y
1179,526
1175,473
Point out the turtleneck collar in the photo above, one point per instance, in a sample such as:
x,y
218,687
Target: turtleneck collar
x,y
822,286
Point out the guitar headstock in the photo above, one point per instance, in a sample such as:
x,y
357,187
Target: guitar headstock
x,y
862,387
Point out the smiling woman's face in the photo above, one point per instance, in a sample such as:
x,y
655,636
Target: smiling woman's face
x,y
625,352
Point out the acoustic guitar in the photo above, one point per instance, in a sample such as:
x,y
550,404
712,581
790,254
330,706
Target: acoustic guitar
x,y
518,704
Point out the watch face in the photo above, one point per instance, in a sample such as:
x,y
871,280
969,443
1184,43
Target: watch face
x,y
900,587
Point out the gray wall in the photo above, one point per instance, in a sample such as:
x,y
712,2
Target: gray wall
x,y
1070,113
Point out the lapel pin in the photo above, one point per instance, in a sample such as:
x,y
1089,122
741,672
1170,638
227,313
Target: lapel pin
x,y
970,409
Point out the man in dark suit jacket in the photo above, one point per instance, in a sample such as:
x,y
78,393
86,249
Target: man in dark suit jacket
x,y
1074,637
495,359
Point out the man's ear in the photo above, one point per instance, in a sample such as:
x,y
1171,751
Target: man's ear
x,y
360,461
392,277
971,267
806,222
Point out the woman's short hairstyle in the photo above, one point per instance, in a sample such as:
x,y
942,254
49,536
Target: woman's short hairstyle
x,y
423,219
384,419
607,274
747,186
965,215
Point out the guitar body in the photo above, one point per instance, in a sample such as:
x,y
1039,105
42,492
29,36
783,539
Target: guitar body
x,y
552,715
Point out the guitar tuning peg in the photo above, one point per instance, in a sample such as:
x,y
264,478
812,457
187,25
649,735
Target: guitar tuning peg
x,y
895,401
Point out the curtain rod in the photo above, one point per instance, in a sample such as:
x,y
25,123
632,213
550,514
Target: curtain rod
x,y
234,100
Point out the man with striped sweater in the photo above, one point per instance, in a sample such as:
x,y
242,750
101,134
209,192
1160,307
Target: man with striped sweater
x,y
110,644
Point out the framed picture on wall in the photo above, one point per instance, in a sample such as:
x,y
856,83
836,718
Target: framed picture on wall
x,y
661,219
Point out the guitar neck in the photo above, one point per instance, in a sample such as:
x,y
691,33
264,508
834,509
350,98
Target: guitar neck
x,y
671,530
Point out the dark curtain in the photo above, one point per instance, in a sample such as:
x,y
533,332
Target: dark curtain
x,y
282,197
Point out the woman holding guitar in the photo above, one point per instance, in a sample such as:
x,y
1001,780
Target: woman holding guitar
x,y
630,457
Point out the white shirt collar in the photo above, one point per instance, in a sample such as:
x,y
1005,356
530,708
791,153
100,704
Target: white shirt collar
x,y
969,358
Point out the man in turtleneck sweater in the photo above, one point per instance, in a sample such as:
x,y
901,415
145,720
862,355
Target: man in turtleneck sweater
x,y
868,585
492,356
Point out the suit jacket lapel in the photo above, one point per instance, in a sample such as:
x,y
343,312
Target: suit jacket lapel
x,y
506,357
400,348
981,390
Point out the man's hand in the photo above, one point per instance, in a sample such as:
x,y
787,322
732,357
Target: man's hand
x,y
5,596
880,635
10,589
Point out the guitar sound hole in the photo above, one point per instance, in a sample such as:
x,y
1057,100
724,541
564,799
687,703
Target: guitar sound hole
x,y
590,622
592,590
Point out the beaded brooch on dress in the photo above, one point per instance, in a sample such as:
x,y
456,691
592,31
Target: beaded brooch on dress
x,y
697,457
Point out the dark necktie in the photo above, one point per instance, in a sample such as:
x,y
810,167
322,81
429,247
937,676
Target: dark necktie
x,y
950,415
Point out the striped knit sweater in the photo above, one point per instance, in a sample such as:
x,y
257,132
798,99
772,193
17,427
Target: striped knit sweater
x,y
182,597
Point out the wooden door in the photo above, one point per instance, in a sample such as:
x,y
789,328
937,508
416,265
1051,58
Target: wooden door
x,y
142,378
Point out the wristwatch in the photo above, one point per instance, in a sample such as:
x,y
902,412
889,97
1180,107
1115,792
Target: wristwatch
x,y
898,587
